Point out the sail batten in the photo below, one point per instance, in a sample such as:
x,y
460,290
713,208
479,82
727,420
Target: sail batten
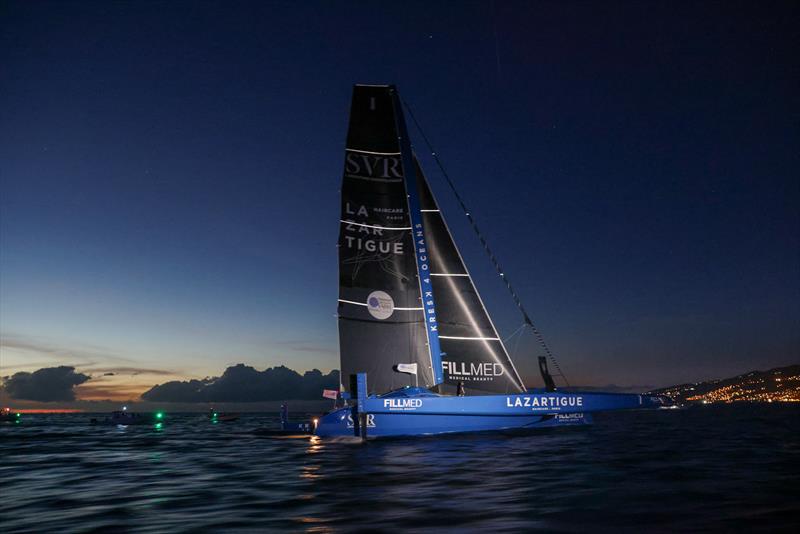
x,y
367,304
375,226
472,351
470,338
373,152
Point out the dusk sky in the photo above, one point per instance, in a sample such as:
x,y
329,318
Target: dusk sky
x,y
170,170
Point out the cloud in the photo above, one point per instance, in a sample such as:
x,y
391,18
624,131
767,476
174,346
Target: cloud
x,y
91,359
47,385
108,371
83,355
242,383
109,392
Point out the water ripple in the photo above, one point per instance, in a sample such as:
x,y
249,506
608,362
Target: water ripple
x,y
712,468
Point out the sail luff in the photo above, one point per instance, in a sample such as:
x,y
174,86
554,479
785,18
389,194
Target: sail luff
x,y
410,170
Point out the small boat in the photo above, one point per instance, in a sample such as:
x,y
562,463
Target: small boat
x,y
290,427
125,418
419,352
8,416
218,417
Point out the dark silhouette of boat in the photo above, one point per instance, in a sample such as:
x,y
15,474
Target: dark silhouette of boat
x,y
125,418
220,417
9,416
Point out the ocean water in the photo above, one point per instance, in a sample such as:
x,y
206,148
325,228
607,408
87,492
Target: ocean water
x,y
713,468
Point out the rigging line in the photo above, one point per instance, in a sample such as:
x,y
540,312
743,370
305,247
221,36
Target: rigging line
x,y
514,333
516,343
498,268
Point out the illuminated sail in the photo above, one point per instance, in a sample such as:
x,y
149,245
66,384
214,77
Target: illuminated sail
x,y
471,349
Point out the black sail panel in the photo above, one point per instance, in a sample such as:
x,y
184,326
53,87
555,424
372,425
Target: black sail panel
x,y
381,322
472,351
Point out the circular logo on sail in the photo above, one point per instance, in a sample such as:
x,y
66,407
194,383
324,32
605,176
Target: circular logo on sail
x,y
380,305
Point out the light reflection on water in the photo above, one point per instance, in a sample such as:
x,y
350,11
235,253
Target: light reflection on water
x,y
710,468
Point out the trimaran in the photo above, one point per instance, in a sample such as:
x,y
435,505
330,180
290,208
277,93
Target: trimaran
x,y
414,335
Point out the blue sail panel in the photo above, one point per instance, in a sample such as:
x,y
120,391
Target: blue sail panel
x,y
410,170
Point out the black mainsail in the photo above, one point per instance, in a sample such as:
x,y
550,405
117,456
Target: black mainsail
x,y
471,349
381,319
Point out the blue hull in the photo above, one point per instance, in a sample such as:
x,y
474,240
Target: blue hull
x,y
340,423
419,412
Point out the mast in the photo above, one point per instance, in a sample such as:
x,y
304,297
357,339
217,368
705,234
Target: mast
x,y
411,174
380,313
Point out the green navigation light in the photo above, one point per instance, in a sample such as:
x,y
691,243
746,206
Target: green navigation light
x,y
160,415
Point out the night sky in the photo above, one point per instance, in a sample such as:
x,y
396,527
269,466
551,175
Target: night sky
x,y
170,175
